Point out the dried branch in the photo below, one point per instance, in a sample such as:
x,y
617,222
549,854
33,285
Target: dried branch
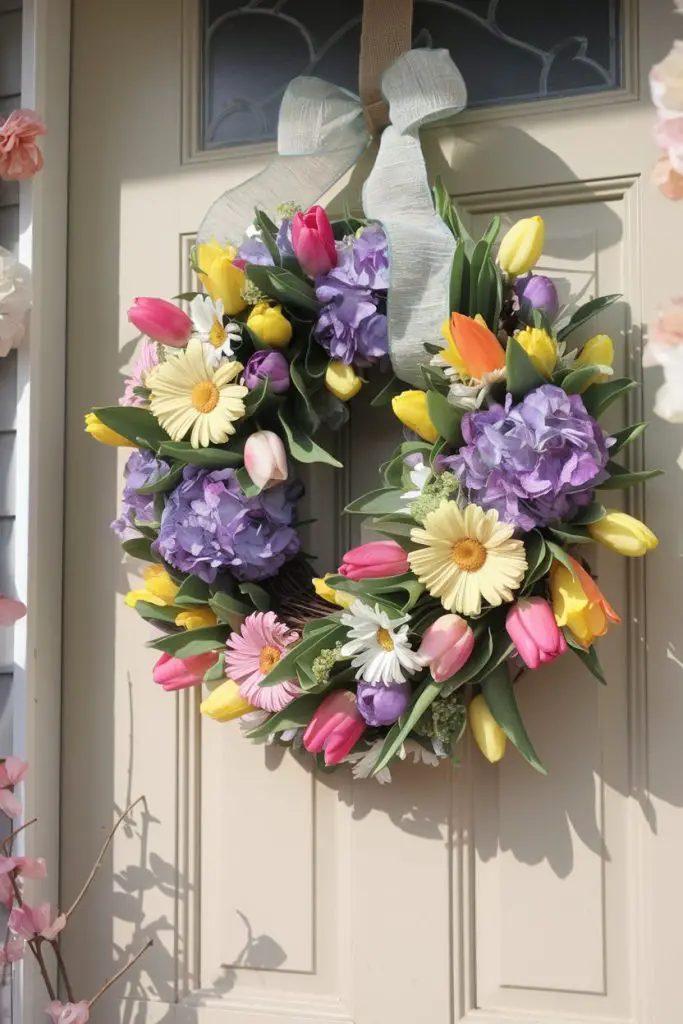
x,y
98,863
119,974
7,842
61,966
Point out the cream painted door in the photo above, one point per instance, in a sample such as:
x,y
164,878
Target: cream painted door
x,y
483,894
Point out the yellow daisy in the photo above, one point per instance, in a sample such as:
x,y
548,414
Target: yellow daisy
x,y
468,556
189,395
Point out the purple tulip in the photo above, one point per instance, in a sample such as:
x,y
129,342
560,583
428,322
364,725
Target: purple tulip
x,y
271,365
382,705
538,292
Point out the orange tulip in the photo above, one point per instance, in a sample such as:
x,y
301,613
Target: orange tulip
x,y
479,348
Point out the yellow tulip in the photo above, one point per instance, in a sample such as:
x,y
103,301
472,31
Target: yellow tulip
x,y
196,618
578,602
599,351
225,703
342,380
219,275
410,407
338,597
540,348
488,735
105,435
521,247
623,533
159,588
451,353
270,325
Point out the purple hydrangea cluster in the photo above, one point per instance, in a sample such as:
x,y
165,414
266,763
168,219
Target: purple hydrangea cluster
x,y
350,325
208,525
254,250
536,462
142,468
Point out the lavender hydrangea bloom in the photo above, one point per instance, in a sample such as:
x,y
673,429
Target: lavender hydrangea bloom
x,y
141,469
283,239
209,525
535,462
254,250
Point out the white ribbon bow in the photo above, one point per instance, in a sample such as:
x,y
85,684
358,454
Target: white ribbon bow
x,y
321,134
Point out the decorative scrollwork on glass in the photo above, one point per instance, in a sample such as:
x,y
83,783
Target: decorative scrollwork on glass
x,y
509,51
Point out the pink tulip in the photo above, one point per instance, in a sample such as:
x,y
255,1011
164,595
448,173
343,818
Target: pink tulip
x,y
335,727
12,951
68,1013
313,241
20,157
26,922
10,610
265,459
374,560
161,321
177,673
446,646
532,628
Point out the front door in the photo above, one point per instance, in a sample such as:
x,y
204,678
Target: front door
x,y
481,894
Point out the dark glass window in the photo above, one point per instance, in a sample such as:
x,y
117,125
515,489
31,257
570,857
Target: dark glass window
x,y
509,51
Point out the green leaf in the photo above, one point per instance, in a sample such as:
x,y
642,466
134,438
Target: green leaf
x,y
249,488
256,397
583,313
434,378
621,477
258,596
599,396
310,415
536,551
372,590
186,296
193,641
302,447
560,555
522,375
460,276
140,547
479,256
397,528
571,533
163,483
627,436
307,680
382,501
282,284
268,232
487,293
590,514
158,612
588,656
476,663
135,424
309,647
445,417
295,716
425,696
575,381
499,694
193,592
216,673
492,232
228,608
317,359
209,458
390,390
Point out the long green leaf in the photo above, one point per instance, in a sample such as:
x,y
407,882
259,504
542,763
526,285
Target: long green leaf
x,y
425,696
569,533
599,396
193,592
309,646
191,642
140,547
576,380
627,436
560,555
209,458
590,514
311,416
268,232
379,502
583,313
522,375
445,417
479,255
460,273
295,716
302,447
229,609
156,612
163,483
621,477
135,424
499,694
588,656
282,284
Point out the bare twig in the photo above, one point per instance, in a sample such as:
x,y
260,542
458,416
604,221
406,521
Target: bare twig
x,y
98,863
7,842
61,966
112,981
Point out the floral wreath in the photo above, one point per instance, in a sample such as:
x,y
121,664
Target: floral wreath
x,y
483,507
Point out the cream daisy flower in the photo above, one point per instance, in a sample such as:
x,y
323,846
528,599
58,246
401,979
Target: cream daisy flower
x,y
188,395
468,556
207,317
378,645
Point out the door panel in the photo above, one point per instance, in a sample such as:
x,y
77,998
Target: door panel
x,y
483,894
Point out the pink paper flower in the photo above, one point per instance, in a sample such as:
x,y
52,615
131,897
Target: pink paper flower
x,y
253,652
12,771
68,1013
11,610
20,157
148,359
12,951
26,922
667,179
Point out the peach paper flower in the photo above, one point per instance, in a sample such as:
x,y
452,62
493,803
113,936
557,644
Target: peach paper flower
x,y
20,157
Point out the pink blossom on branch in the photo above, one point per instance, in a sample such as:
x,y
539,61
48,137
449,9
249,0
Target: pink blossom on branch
x,y
12,771
11,610
68,1013
26,922
20,157
12,951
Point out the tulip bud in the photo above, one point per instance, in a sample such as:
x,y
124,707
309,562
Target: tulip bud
x,y
105,435
335,727
533,630
521,247
337,597
540,348
538,292
375,560
342,380
313,241
161,321
220,276
623,533
410,407
270,325
446,646
225,703
382,705
265,459
177,673
599,351
488,735
270,366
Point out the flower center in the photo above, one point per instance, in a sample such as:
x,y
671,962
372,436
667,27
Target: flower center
x,y
469,555
217,334
384,639
205,396
268,658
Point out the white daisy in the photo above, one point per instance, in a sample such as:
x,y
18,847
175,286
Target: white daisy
x,y
378,645
218,338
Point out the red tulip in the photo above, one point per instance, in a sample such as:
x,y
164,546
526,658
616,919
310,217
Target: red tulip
x,y
177,673
313,241
533,630
446,646
336,727
374,560
161,321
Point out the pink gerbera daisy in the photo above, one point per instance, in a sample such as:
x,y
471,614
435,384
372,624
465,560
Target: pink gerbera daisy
x,y
147,360
251,655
